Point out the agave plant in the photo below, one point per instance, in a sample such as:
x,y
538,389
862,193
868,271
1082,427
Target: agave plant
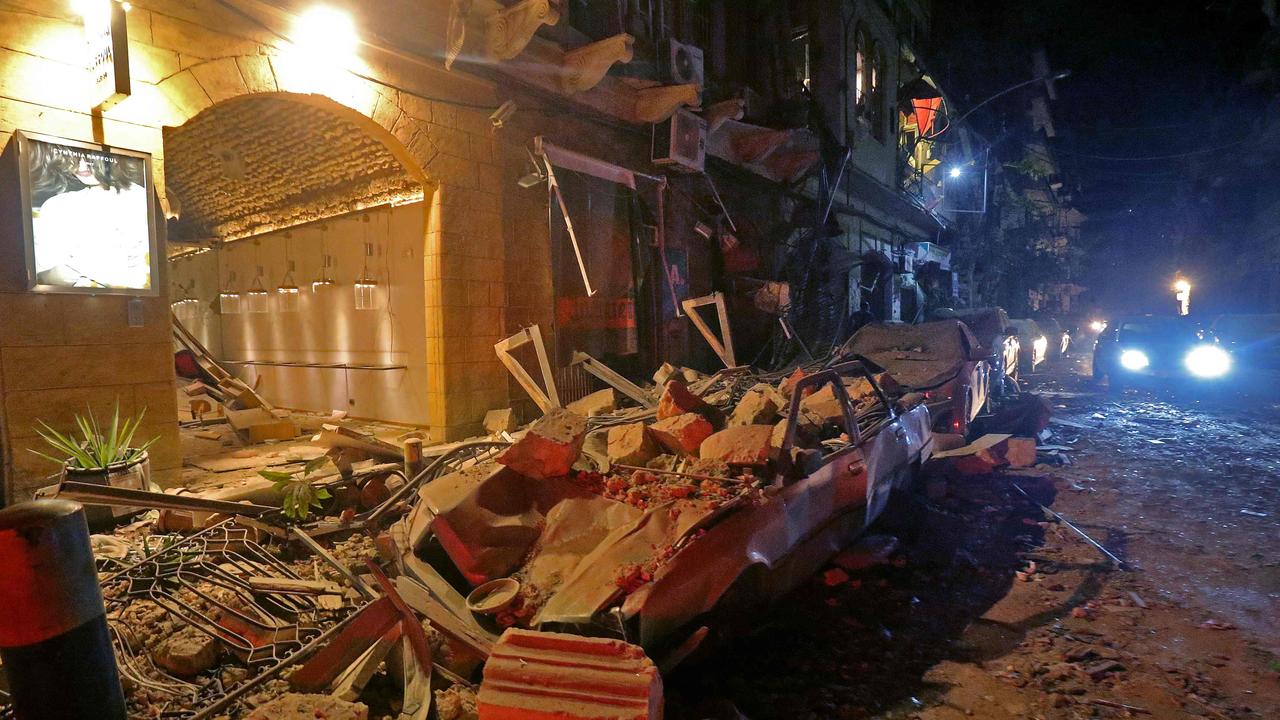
x,y
98,446
298,494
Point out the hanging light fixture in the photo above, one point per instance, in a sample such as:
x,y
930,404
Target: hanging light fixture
x,y
229,298
326,278
287,291
255,299
325,281
366,287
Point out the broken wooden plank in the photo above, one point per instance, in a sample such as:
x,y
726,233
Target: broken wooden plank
x,y
610,377
339,436
547,397
365,628
293,586
441,618
352,681
723,345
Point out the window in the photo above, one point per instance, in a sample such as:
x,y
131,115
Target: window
x,y
798,60
875,92
860,71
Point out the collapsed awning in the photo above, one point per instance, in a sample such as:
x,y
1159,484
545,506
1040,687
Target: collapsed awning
x,y
780,155
585,164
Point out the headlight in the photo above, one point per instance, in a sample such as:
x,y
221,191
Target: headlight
x,y
1040,344
1208,361
1097,325
1134,360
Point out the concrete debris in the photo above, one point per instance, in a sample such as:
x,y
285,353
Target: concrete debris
x,y
760,405
677,400
299,706
545,676
186,653
741,445
456,703
682,434
600,402
499,421
632,444
550,447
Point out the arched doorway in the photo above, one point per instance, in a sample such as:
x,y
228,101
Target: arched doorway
x,y
284,203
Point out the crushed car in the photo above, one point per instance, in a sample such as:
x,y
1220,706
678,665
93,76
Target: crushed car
x,y
998,340
705,505
941,360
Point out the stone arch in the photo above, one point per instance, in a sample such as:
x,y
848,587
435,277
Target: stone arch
x,y
461,167
266,161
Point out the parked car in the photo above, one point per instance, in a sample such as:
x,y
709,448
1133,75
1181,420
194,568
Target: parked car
x,y
1033,343
594,557
1134,347
1057,335
941,359
1254,344
997,338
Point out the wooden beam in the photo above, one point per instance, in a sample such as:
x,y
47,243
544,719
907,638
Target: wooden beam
x,y
546,400
722,347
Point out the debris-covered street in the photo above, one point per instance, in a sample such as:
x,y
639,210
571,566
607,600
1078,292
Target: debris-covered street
x,y
639,360
986,610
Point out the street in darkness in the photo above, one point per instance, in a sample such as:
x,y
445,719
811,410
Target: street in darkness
x,y
639,360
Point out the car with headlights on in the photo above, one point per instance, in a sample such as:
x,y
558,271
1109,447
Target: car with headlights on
x,y
1254,344
1136,347
1032,341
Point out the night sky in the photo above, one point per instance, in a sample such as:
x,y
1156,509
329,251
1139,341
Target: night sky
x,y
1152,126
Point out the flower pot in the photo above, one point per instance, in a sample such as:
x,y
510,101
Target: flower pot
x,y
134,475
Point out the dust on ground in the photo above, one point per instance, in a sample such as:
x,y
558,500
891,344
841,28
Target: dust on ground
x,y
992,610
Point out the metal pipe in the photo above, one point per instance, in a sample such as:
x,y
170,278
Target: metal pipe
x,y
54,641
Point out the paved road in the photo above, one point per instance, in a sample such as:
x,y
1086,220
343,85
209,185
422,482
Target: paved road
x,y
990,611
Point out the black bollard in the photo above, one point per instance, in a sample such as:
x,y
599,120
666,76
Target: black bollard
x,y
54,640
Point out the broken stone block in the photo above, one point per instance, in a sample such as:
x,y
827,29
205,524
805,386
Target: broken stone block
x,y
677,399
542,675
549,448
600,402
826,405
664,373
186,653
808,430
300,706
759,406
499,421
632,445
741,445
682,434
790,381
1020,452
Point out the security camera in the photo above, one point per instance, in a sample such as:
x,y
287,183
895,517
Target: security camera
x,y
503,113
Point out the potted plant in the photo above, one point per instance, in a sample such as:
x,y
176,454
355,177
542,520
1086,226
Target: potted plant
x,y
101,455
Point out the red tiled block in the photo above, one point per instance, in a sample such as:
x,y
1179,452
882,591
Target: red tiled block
x,y
555,676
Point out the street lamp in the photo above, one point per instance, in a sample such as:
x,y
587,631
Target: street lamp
x,y
956,171
1182,293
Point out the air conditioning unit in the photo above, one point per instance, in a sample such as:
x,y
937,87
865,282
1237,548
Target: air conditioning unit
x,y
683,64
681,142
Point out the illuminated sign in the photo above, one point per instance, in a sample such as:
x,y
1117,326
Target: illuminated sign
x,y
88,214
107,37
